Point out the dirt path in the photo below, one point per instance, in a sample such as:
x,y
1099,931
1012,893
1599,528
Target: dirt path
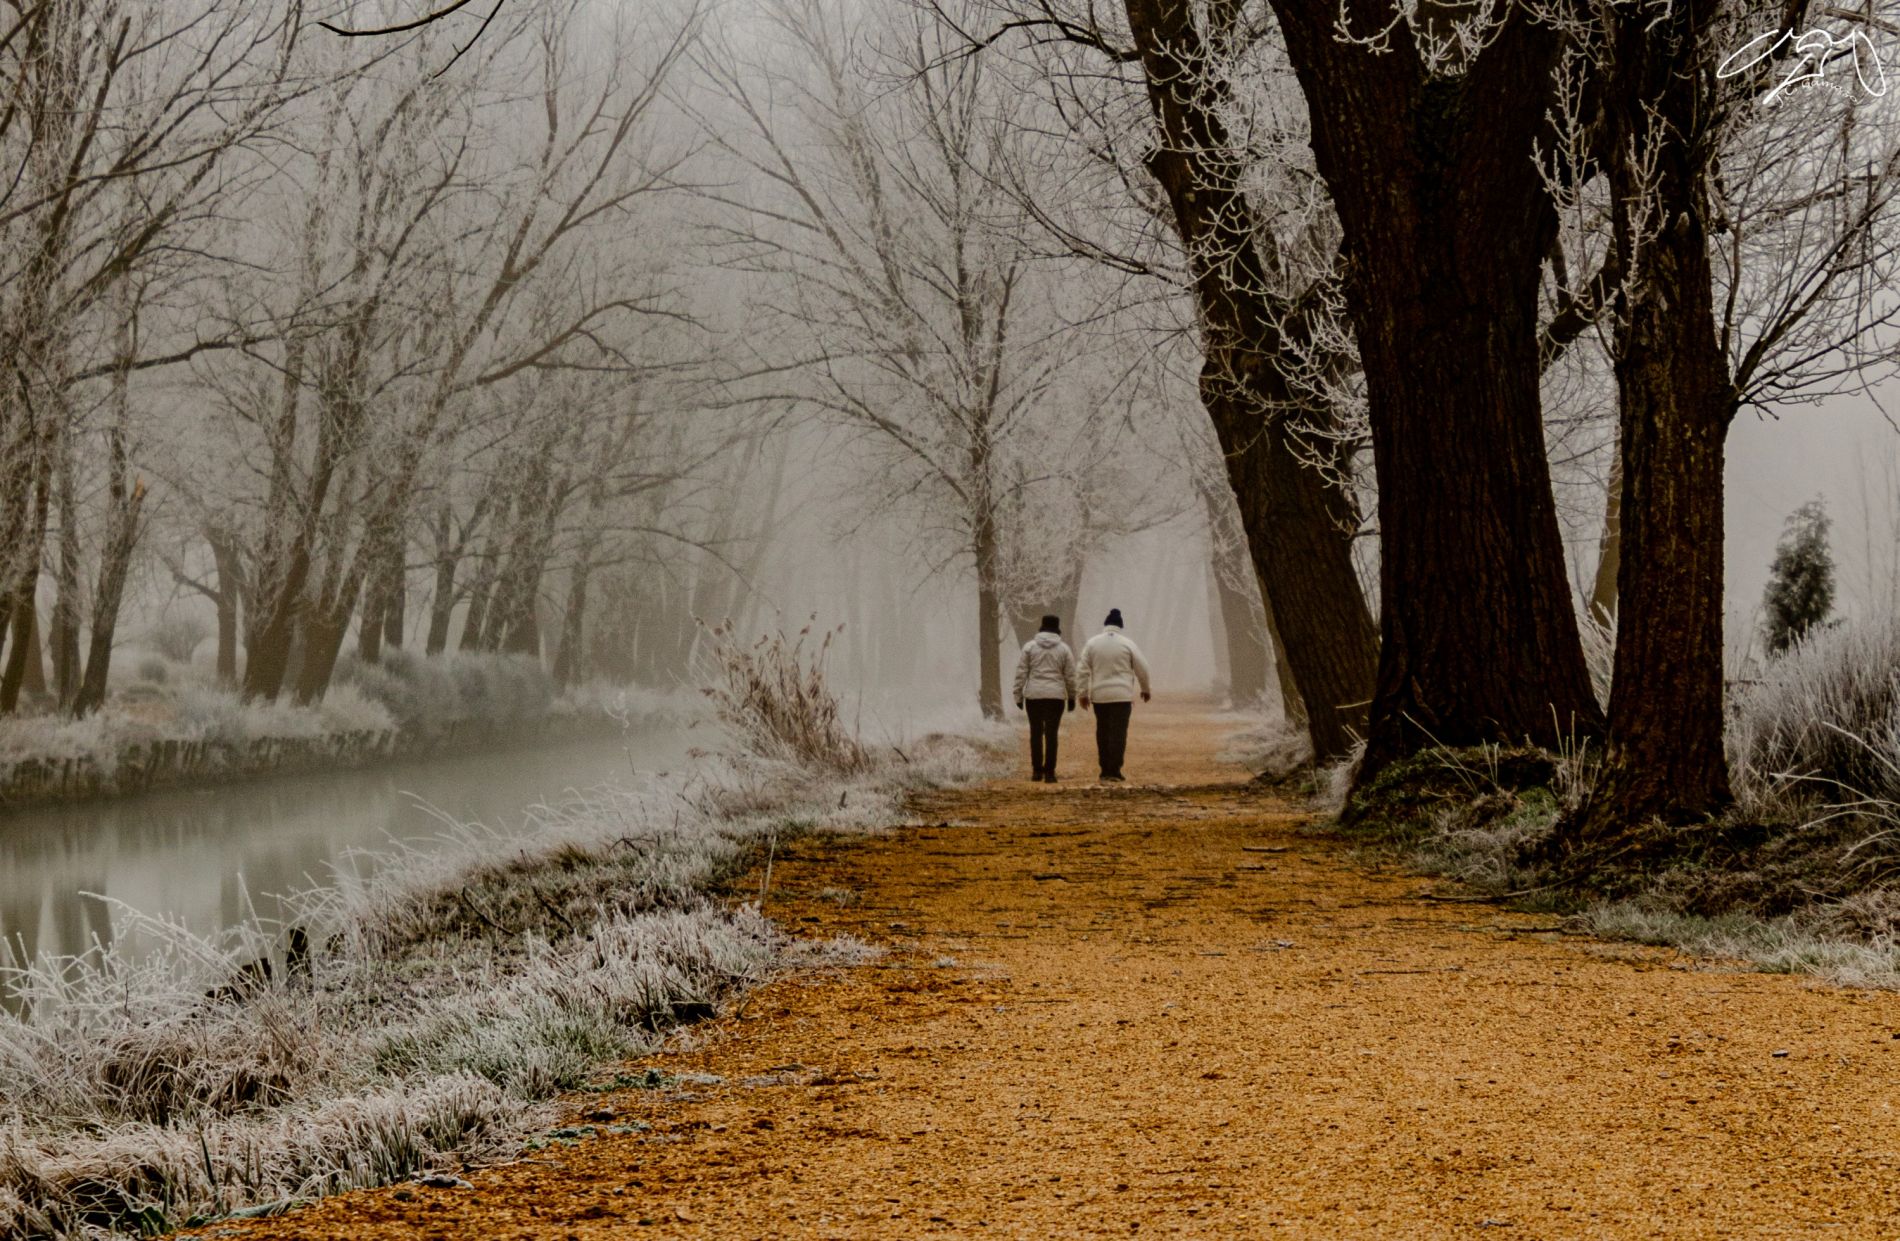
x,y
1158,1009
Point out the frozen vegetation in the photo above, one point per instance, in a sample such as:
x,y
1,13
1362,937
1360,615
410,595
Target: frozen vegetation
x,y
436,1010
1801,874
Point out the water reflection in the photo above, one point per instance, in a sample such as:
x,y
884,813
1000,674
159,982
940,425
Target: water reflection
x,y
209,858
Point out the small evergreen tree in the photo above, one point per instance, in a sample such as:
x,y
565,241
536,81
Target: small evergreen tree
x,y
1800,590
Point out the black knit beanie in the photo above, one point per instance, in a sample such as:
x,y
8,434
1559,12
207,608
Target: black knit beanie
x,y
1051,624
1114,617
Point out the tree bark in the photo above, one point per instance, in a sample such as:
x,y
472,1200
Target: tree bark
x,y
989,617
34,682
1610,546
1299,528
1244,634
225,557
24,592
115,562
1291,704
323,632
1665,754
568,660
396,599
1446,221
475,620
66,601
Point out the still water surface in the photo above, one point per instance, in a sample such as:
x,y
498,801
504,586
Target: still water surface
x,y
207,857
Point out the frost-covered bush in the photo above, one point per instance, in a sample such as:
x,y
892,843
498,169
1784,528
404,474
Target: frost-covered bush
x,y
177,636
774,699
423,690
1822,723
153,669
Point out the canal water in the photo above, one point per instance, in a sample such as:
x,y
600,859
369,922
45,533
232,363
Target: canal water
x,y
216,857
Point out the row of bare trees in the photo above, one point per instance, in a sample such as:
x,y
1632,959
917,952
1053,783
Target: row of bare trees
x,y
317,326
1427,251
981,390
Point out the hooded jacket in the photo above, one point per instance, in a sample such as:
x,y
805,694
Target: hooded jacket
x,y
1111,668
1046,669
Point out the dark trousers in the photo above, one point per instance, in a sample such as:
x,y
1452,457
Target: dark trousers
x,y
1111,734
1045,721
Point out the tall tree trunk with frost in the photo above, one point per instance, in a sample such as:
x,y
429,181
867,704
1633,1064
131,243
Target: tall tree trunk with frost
x,y
1665,755
1446,221
1299,528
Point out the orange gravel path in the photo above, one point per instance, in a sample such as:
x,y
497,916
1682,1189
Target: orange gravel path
x,y
1161,1009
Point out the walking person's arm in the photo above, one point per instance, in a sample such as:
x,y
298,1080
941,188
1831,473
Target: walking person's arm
x,y
1068,674
1082,673
1022,676
1141,669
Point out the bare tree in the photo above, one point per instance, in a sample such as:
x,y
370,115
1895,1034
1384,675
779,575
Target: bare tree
x,y
117,115
906,303
1754,244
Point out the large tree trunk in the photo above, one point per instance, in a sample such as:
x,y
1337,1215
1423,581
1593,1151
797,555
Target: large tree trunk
x,y
1665,754
396,607
381,622
1299,528
126,502
479,591
267,661
323,633
1446,220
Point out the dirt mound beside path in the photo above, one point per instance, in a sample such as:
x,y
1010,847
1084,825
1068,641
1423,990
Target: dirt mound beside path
x,y
1158,1008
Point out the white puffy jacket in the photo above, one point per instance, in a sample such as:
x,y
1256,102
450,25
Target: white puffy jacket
x,y
1111,668
1046,669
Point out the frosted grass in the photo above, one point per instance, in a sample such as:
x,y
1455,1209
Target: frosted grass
x,y
444,1000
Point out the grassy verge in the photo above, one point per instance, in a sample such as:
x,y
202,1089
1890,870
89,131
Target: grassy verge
x,y
1781,883
424,1020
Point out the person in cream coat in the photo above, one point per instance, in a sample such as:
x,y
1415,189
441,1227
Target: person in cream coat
x,y
1045,687
1108,674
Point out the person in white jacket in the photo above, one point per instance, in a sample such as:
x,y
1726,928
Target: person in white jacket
x,y
1108,673
1045,685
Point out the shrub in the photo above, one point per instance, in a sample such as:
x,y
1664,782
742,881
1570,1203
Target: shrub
x,y
774,699
1800,590
177,636
153,670
423,690
1822,723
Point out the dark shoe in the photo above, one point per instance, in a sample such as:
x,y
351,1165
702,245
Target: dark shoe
x,y
1049,778
1117,777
